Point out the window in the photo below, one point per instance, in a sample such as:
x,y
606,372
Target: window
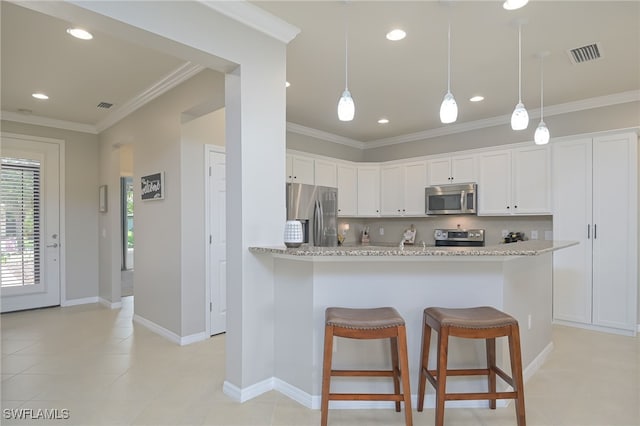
x,y
19,222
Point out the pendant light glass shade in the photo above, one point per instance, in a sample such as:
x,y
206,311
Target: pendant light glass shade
x,y
541,136
346,107
520,116
449,107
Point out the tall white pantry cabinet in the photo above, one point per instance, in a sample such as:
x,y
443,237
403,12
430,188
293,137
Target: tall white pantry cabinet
x,y
595,202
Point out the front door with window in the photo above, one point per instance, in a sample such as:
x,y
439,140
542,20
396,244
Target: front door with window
x,y
29,224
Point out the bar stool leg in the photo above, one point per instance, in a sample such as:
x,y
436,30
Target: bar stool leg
x,y
404,373
443,349
491,365
395,367
326,374
424,363
516,372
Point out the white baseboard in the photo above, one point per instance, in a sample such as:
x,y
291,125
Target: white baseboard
x,y
110,305
245,394
82,301
313,401
619,331
537,362
168,334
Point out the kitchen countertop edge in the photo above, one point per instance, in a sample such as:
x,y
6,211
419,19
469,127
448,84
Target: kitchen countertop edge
x,y
522,248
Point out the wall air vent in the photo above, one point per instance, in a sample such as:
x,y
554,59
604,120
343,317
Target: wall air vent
x,y
105,105
587,53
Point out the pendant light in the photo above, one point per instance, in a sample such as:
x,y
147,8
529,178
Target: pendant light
x,y
448,108
541,136
514,4
520,117
346,106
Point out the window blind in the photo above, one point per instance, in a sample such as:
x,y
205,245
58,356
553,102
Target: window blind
x,y
19,222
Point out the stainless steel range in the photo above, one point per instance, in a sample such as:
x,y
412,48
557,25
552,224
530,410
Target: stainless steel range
x,y
459,237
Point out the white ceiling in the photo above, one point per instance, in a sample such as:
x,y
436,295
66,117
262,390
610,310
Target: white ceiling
x,y
402,81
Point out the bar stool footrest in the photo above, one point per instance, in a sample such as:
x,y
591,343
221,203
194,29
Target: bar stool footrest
x,y
363,373
479,396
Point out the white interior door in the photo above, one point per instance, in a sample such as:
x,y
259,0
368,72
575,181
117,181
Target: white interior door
x,y
217,242
29,224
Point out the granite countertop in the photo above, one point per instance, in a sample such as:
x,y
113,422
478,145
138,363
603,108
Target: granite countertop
x,y
521,248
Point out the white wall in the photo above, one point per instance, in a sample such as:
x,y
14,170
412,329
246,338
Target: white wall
x,y
208,129
155,133
313,145
81,205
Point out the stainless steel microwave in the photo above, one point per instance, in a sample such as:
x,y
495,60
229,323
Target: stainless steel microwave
x,y
451,199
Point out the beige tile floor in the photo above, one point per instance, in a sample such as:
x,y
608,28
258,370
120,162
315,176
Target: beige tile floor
x,y
106,371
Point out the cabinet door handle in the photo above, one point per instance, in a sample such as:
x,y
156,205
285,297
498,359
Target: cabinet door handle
x,y
595,231
588,231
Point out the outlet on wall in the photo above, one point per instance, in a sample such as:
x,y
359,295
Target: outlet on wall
x,y
381,230
505,232
534,235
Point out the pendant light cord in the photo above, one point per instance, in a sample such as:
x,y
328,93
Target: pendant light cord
x,y
346,50
541,88
519,63
449,57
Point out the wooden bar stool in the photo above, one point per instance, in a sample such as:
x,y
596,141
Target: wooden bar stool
x,y
376,323
472,323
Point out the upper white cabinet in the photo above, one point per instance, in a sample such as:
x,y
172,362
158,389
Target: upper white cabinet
x,y
515,181
595,202
325,173
368,190
454,169
300,169
402,189
347,183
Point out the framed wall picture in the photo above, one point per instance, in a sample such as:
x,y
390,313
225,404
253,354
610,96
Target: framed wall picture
x,y
102,198
152,187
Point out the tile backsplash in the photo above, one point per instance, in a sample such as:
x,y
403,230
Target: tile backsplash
x,y
393,228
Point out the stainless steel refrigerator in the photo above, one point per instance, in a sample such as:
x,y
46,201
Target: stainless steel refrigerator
x,y
317,208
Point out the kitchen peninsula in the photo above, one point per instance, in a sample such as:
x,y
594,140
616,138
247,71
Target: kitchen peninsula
x,y
515,278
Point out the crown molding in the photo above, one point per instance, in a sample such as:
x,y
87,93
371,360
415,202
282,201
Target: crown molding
x,y
325,136
256,18
173,79
48,122
598,102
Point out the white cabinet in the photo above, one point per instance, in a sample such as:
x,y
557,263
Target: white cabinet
x,y
595,189
347,183
300,169
368,190
455,169
325,173
516,181
402,189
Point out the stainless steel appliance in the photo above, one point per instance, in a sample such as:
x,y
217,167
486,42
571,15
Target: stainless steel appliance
x,y
459,237
451,199
317,208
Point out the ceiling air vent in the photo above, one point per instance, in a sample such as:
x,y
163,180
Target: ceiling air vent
x,y
105,105
587,53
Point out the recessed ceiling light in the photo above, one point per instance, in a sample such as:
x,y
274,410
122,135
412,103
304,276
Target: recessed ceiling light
x,y
395,35
383,121
477,98
40,96
287,84
80,33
